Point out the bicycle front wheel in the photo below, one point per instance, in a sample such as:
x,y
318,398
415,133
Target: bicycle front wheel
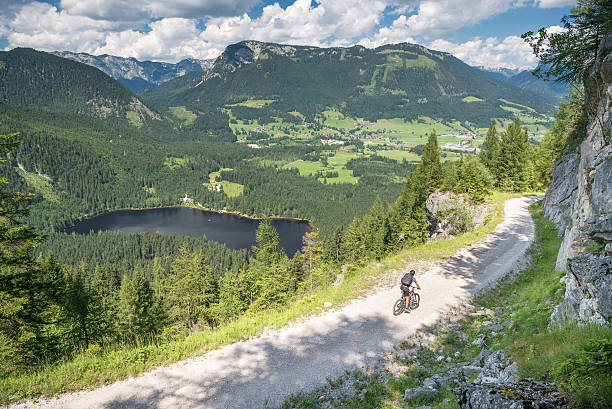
x,y
399,306
415,301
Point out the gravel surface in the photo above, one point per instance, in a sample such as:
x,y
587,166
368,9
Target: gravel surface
x,y
262,372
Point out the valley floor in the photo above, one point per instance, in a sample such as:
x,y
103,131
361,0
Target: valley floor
x,y
264,371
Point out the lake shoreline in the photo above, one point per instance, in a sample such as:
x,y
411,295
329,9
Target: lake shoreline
x,y
203,209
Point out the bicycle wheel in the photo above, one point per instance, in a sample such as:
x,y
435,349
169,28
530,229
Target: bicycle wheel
x,y
415,301
399,306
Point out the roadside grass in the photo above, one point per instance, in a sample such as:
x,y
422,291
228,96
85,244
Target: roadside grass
x,y
96,367
578,359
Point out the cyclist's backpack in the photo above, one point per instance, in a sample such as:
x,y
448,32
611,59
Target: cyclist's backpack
x,y
407,279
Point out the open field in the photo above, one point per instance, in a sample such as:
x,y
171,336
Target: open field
x,y
183,115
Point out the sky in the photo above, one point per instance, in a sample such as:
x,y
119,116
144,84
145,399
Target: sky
x,y
479,32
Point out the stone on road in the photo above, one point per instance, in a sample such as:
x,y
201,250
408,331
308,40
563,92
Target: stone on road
x,y
264,371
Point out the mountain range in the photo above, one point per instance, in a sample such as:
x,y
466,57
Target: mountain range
x,y
524,79
137,75
393,81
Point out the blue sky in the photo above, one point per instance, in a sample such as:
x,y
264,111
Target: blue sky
x,y
484,32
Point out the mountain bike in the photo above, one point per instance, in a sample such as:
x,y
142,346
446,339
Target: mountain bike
x,y
414,300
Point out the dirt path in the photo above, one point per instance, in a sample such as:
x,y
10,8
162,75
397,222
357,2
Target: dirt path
x,y
264,371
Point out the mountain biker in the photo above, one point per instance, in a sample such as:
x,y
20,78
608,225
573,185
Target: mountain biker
x,y
407,281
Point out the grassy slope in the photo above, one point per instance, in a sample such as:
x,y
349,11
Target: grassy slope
x,y
576,359
95,367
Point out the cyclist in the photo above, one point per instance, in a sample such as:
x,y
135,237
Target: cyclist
x,y
407,281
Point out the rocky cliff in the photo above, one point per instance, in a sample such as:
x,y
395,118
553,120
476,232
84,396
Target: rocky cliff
x,y
579,202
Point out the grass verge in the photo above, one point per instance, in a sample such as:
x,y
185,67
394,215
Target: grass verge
x,y
95,368
577,359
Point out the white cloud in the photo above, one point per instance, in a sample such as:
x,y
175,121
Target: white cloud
x,y
126,28
511,52
437,18
548,4
140,10
42,26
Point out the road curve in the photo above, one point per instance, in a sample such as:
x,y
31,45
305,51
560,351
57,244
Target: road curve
x,y
264,371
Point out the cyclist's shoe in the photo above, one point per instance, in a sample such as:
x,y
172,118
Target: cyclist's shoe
x,y
406,311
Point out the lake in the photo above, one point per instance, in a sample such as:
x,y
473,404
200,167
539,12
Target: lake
x,y
234,231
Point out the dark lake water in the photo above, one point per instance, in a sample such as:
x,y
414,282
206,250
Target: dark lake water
x,y
234,231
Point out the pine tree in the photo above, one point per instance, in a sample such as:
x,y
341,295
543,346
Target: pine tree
x,y
430,161
78,306
30,291
232,301
193,291
332,247
267,276
136,306
489,151
514,156
311,252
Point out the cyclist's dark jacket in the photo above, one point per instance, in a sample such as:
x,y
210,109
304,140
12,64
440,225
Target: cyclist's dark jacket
x,y
407,279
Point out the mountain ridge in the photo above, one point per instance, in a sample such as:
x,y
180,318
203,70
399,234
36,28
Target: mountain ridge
x,y
37,79
398,80
135,74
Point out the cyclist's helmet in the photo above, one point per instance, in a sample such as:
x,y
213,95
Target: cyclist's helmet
x,y
412,272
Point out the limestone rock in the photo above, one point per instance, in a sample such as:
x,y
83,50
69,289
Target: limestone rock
x,y
588,291
481,358
497,370
592,206
419,393
437,381
523,395
561,194
443,224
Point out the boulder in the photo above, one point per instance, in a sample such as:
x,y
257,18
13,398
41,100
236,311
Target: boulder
x,y
420,393
497,369
437,381
444,210
523,395
481,358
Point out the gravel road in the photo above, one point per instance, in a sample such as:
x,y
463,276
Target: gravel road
x,y
264,371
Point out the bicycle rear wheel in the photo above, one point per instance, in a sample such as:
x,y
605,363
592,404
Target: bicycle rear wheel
x,y
415,301
399,306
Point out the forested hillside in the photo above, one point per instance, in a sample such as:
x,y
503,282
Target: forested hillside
x,y
37,79
401,80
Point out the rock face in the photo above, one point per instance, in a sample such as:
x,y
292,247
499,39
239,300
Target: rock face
x,y
561,194
451,214
497,387
588,291
579,202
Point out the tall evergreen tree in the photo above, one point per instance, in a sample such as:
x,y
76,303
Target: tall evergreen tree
x,y
30,290
193,291
136,304
514,157
430,161
267,279
489,151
